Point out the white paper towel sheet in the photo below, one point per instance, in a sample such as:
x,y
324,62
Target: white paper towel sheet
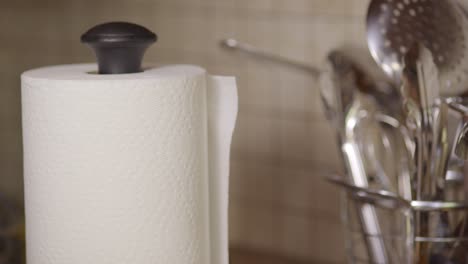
x,y
129,168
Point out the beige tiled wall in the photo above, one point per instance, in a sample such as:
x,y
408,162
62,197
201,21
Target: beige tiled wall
x,y
282,144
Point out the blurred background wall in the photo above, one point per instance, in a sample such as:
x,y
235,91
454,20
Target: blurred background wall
x,y
282,144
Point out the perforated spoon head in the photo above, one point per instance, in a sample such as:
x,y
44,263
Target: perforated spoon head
x,y
394,26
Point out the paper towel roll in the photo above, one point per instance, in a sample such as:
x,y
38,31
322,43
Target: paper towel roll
x,y
129,168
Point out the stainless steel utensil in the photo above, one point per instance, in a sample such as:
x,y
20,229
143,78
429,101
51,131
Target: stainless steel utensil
x,y
340,96
383,92
386,95
235,45
461,149
420,93
394,26
461,144
441,26
396,29
389,103
421,90
343,91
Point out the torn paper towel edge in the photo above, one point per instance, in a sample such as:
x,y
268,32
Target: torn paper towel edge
x,y
222,104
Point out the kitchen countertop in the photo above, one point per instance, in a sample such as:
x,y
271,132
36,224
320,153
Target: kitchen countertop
x,y
247,256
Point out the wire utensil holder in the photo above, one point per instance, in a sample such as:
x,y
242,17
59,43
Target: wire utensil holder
x,y
446,239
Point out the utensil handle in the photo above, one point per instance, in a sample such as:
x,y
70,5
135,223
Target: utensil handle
x,y
235,45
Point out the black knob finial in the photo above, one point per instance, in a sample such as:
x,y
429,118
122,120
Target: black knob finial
x,y
119,46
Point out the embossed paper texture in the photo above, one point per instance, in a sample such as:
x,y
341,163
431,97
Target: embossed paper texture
x,y
126,168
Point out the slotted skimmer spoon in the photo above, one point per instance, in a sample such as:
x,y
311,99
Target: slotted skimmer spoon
x,y
394,26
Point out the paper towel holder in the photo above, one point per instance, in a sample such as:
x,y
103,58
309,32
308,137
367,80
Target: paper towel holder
x,y
119,46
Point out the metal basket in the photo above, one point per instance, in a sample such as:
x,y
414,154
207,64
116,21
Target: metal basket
x,y
412,231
